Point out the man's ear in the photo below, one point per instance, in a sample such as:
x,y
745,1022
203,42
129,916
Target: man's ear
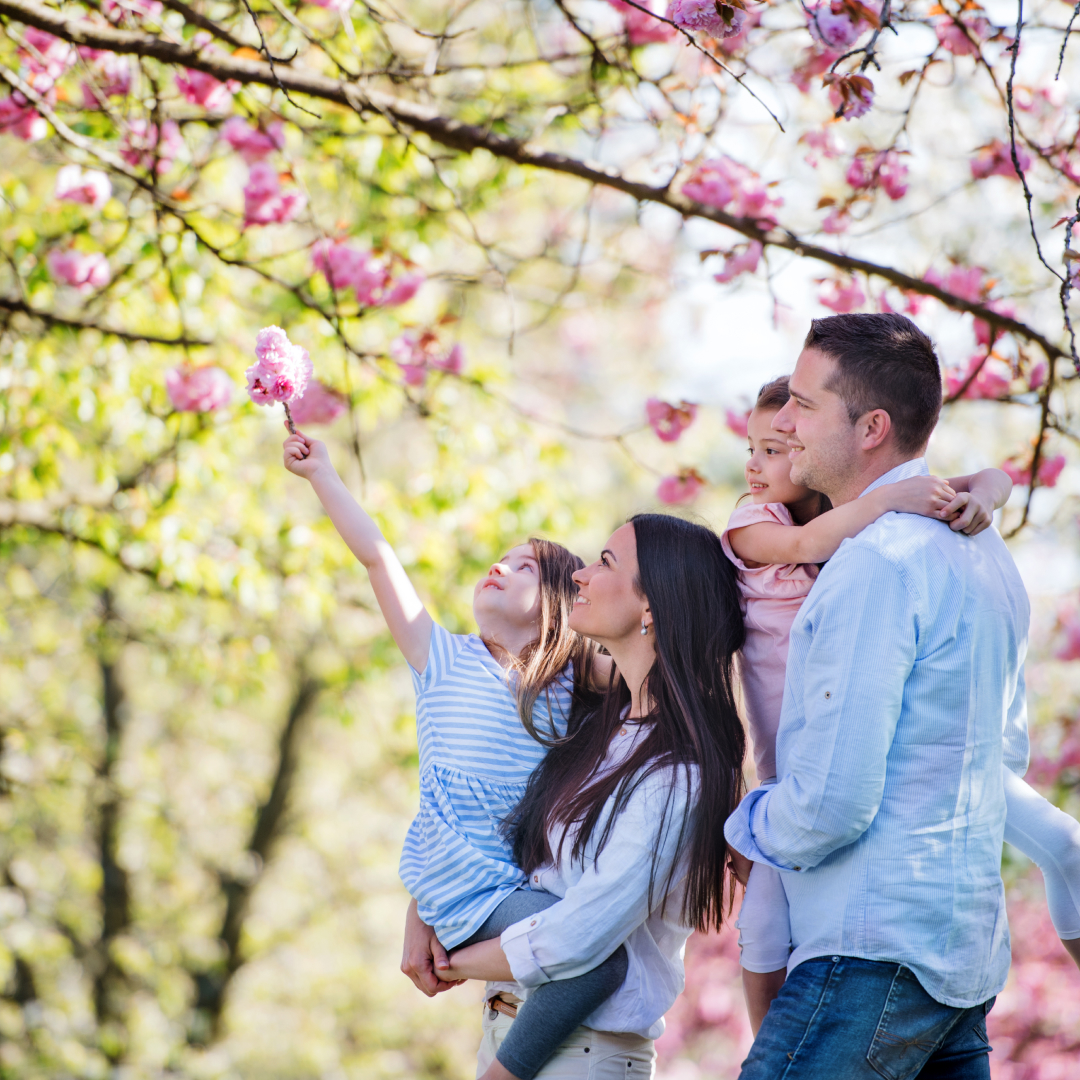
x,y
874,428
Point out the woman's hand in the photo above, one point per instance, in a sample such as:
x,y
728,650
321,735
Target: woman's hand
x,y
969,513
422,952
305,457
925,495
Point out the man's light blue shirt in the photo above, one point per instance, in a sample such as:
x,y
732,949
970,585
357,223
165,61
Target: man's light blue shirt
x,y
904,699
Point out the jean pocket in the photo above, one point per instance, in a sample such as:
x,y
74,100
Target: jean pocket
x,y
912,1026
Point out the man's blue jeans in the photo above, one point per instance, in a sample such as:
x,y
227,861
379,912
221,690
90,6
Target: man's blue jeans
x,y
840,1018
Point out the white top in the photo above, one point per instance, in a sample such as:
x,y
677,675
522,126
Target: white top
x,y
475,760
605,904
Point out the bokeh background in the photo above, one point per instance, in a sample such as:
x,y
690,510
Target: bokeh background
x,y
207,744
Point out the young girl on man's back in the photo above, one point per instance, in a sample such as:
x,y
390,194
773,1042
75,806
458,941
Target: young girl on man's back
x,y
776,542
488,707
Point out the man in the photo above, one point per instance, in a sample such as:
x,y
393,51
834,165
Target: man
x,y
904,697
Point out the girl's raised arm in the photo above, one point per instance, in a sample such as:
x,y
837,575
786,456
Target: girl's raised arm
x,y
766,542
405,615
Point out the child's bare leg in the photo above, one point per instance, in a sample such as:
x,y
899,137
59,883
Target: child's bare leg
x,y
1072,947
759,989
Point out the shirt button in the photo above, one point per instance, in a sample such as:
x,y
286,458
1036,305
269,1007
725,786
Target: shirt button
x,y
533,923
828,694
536,877
796,868
622,731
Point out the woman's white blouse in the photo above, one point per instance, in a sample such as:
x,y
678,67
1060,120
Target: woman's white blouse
x,y
605,903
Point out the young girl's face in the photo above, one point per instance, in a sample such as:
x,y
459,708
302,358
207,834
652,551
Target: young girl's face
x,y
768,469
508,596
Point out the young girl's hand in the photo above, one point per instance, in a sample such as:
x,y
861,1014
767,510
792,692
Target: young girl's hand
x,y
925,495
968,513
304,456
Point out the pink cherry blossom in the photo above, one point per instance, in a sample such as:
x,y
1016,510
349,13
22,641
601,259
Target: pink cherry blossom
x,y
91,187
823,144
1049,471
199,88
281,371
320,404
850,95
885,169
18,118
737,421
84,271
816,61
721,181
642,28
1037,375
681,488
415,354
264,200
347,267
995,159
714,17
736,262
119,11
44,58
341,6
669,421
198,389
140,142
966,281
251,143
837,220
841,294
832,25
986,335
953,37
992,382
1069,622
111,76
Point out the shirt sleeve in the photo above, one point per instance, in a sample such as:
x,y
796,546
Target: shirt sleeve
x,y
611,899
1015,734
862,644
442,650
752,514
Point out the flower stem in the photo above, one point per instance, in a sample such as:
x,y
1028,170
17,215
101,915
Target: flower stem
x,y
289,419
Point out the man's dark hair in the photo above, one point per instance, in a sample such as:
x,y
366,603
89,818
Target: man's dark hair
x,y
883,362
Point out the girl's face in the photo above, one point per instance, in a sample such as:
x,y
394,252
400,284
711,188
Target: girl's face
x,y
608,606
508,597
768,469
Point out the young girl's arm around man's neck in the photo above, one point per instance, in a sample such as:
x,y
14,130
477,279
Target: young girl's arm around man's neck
x,y
405,614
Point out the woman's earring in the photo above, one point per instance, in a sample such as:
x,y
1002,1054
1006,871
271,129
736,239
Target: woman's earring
x,y
644,628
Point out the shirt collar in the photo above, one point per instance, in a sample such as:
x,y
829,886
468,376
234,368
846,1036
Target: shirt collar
x,y
914,467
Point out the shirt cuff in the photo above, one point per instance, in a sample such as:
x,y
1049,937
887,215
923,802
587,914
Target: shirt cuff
x,y
519,954
739,831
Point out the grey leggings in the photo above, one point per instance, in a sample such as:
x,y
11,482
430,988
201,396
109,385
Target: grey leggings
x,y
556,1008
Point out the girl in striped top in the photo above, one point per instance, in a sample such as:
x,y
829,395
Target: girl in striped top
x,y
488,708
776,542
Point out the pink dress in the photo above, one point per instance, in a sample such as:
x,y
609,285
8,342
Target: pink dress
x,y
772,596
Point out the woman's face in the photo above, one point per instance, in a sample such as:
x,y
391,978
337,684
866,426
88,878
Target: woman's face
x,y
768,469
608,605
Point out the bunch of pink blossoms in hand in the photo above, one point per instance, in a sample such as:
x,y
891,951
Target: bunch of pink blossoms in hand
x,y
84,272
995,159
198,389
251,143
320,404
140,144
640,27
91,187
347,267
669,421
717,18
682,488
722,181
281,371
264,200
850,95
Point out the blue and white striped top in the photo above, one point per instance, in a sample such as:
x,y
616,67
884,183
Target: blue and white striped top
x,y
475,760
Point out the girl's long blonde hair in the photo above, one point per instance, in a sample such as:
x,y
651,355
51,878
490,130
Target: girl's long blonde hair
x,y
542,662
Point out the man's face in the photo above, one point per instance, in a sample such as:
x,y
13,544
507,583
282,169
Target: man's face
x,y
822,443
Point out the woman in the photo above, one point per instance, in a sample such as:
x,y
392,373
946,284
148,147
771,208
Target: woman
x,y
623,820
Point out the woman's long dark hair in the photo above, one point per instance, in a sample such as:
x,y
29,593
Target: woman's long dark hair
x,y
693,597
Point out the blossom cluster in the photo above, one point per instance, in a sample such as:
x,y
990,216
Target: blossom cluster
x,y
370,277
669,421
281,371
838,24
416,354
727,184
715,18
885,169
198,389
641,27
86,271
